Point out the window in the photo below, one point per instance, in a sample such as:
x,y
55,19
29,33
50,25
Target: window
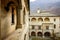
x,y
54,19
47,27
47,19
32,26
40,19
12,15
54,26
39,27
29,19
25,37
7,7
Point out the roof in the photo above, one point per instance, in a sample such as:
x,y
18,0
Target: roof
x,y
45,13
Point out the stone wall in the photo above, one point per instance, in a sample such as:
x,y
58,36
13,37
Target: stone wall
x,y
6,20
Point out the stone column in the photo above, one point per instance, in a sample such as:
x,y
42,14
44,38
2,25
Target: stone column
x,y
0,23
19,25
19,7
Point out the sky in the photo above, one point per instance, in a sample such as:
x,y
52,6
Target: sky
x,y
48,1
44,4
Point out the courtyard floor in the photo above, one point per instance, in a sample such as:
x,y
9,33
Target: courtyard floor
x,y
46,38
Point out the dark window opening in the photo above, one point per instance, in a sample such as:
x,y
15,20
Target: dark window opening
x,y
25,37
47,27
54,26
29,19
32,26
12,15
8,5
39,27
54,19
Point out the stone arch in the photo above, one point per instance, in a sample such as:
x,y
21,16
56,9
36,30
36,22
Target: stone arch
x,y
33,33
47,34
33,19
40,19
11,3
39,34
46,19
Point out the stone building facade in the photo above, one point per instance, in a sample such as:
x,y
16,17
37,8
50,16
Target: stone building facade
x,y
14,18
44,24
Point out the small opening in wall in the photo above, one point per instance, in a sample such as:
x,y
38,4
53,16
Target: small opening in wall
x,y
54,26
47,27
25,37
12,15
54,19
33,27
29,19
39,27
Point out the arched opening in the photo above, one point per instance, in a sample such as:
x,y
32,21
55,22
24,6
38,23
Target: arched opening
x,y
33,33
47,34
39,34
46,19
33,19
40,19
11,6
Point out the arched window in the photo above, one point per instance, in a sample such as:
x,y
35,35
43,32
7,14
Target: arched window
x,y
39,34
11,5
7,7
47,34
33,19
46,19
33,33
40,19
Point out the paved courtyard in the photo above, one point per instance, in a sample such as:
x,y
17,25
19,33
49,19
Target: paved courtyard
x,y
46,38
